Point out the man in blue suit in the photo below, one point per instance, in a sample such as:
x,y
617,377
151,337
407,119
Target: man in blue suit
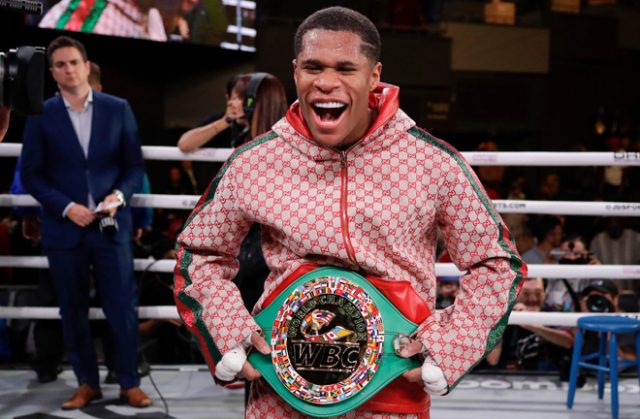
x,y
82,161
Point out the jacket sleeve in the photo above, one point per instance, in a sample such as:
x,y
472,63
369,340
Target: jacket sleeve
x,y
16,188
208,301
130,181
33,162
481,247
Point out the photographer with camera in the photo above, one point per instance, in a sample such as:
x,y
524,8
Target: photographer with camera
x,y
82,161
562,294
599,297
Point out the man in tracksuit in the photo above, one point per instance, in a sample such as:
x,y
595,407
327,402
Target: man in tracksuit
x,y
347,179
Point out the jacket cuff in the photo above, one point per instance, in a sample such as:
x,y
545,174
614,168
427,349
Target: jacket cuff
x,y
66,209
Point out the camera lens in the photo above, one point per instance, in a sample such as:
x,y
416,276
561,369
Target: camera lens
x,y
22,79
598,304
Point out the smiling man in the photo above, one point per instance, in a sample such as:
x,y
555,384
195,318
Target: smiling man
x,y
346,179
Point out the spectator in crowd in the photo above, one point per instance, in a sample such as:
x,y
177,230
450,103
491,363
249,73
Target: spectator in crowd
x,y
163,341
447,290
549,189
491,176
603,296
218,126
599,297
548,233
617,245
216,130
532,347
270,105
519,223
562,294
187,170
76,184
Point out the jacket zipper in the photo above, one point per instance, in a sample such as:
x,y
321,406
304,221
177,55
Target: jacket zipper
x,y
344,221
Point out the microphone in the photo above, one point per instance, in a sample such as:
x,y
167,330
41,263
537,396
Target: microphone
x,y
108,224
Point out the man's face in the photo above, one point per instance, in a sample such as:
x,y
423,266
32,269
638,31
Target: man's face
x,y
556,236
532,294
333,80
69,69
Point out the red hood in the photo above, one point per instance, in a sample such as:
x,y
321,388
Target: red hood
x,y
384,99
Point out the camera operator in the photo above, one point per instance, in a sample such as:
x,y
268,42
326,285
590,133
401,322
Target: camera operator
x,y
560,293
4,121
599,297
602,296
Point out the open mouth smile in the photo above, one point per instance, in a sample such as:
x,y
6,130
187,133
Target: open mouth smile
x,y
328,114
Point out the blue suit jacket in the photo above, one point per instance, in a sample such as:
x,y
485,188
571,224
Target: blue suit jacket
x,y
56,172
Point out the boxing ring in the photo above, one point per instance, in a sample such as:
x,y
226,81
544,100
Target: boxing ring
x,y
530,159
472,394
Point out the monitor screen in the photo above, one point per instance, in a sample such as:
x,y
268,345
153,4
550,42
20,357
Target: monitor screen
x,y
228,24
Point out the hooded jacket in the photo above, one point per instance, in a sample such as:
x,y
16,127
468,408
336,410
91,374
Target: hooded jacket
x,y
375,208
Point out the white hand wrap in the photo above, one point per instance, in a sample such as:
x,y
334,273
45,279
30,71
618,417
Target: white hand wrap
x,y
231,364
233,361
433,377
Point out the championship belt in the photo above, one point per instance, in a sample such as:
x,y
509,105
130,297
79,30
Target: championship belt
x,y
331,334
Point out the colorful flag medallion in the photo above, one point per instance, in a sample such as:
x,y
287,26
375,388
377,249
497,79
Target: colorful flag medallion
x,y
327,340
331,334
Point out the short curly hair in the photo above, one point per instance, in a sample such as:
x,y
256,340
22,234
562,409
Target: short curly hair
x,y
342,19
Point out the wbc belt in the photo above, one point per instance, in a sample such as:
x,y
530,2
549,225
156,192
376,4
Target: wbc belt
x,y
331,333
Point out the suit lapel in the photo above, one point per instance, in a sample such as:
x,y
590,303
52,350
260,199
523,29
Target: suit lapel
x,y
98,125
69,137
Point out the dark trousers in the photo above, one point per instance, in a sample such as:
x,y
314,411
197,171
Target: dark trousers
x,y
47,334
113,272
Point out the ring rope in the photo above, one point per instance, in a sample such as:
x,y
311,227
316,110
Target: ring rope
x,y
475,158
442,269
505,206
171,313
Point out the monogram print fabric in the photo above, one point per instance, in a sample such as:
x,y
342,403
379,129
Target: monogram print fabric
x,y
375,208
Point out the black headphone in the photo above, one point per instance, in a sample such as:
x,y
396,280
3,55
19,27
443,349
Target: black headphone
x,y
249,104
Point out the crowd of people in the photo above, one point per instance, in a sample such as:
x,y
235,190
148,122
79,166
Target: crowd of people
x,y
91,234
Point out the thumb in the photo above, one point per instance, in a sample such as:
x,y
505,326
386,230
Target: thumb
x,y
260,344
406,347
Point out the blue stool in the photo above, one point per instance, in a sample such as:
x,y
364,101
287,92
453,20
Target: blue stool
x,y
608,328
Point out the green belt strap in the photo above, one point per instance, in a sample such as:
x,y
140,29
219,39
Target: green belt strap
x,y
390,367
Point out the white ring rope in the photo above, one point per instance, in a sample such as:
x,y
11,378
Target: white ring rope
x,y
505,206
475,158
170,312
442,269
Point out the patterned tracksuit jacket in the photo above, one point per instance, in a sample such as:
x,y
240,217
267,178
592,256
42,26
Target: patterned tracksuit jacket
x,y
375,208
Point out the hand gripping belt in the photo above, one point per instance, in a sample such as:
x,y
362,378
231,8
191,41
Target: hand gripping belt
x,y
400,310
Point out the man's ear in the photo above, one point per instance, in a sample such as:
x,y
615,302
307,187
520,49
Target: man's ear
x,y
375,76
295,67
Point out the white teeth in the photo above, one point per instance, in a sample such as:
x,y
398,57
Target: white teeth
x,y
329,105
